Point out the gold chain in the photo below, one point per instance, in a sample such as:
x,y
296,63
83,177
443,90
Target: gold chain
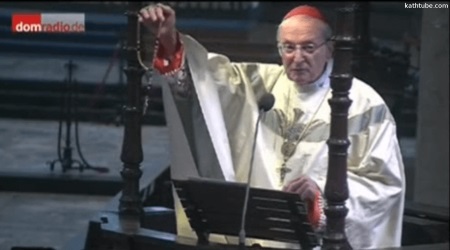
x,y
292,137
148,73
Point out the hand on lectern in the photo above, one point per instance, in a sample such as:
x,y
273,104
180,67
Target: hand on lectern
x,y
303,186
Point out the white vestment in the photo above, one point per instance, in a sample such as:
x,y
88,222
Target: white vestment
x,y
211,136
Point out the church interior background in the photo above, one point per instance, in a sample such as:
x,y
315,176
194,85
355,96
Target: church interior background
x,y
46,204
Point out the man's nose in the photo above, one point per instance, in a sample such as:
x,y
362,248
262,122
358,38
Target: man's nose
x,y
298,56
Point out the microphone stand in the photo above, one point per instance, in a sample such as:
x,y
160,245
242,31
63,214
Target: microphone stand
x,y
247,188
264,104
66,160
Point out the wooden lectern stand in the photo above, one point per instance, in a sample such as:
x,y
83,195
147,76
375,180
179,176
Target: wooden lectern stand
x,y
213,207
216,207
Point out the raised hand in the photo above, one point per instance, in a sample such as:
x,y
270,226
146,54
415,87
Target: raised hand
x,y
160,20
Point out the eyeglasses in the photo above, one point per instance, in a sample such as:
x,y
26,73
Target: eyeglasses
x,y
309,48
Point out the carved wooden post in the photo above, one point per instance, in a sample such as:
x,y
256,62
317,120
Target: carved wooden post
x,y
336,189
131,156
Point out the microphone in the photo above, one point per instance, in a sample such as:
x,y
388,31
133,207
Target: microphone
x,y
265,103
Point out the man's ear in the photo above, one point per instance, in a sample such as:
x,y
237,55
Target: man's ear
x,y
330,47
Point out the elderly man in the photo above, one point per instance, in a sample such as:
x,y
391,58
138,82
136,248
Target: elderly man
x,y
211,109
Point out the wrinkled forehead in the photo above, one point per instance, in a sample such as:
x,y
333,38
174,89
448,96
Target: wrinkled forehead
x,y
301,29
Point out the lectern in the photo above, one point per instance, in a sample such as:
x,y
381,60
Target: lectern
x,y
214,206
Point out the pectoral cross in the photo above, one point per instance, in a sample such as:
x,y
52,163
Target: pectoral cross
x,y
283,170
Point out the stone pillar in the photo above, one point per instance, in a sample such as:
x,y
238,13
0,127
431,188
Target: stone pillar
x,y
431,184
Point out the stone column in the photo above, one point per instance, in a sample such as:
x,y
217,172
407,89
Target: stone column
x,y
431,184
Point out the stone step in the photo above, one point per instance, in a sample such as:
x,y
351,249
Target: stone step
x,y
47,98
105,116
57,48
41,99
50,98
54,112
13,84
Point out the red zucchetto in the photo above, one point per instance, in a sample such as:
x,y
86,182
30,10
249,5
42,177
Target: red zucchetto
x,y
306,10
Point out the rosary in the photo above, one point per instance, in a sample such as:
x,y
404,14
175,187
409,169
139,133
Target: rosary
x,y
149,73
